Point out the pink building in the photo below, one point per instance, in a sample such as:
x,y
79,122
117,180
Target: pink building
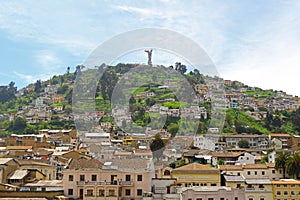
x,y
112,180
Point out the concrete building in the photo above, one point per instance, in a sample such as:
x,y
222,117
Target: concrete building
x,y
255,141
203,143
253,188
27,140
286,139
7,165
195,174
211,193
286,189
91,179
249,171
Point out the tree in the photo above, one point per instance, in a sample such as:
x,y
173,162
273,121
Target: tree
x,y
173,128
280,162
181,68
293,165
38,86
7,93
62,89
107,84
243,143
157,146
11,90
18,125
78,69
220,162
295,118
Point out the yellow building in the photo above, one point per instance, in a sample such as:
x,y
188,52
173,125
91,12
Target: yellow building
x,y
286,189
128,141
196,174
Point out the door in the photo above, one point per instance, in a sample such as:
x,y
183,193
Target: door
x,y
81,193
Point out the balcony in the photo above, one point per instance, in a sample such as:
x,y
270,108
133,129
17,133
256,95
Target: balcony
x,y
103,183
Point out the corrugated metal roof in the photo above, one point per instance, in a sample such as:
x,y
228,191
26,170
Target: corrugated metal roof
x,y
258,181
18,174
3,161
47,183
233,178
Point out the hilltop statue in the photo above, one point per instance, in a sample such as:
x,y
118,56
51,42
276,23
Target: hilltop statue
x,y
149,52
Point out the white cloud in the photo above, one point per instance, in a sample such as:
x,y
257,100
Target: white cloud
x,y
140,11
256,44
269,57
28,79
47,61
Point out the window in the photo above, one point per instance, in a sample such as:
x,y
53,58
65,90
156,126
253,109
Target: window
x,y
285,185
127,192
273,171
238,185
71,177
213,184
199,199
89,192
140,178
94,177
285,192
101,193
248,173
222,198
278,185
139,192
81,177
262,198
293,193
210,198
127,177
111,193
238,173
293,185
236,198
278,193
70,192
255,173
167,172
250,198
263,173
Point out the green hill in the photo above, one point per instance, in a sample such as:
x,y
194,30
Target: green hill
x,y
238,120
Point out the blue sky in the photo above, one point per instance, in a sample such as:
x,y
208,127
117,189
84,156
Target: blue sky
x,y
256,42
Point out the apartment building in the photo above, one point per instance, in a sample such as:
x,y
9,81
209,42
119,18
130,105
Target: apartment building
x,y
286,189
249,171
196,174
255,140
253,188
286,139
27,140
90,179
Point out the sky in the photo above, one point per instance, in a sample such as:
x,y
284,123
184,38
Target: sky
x,y
252,41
